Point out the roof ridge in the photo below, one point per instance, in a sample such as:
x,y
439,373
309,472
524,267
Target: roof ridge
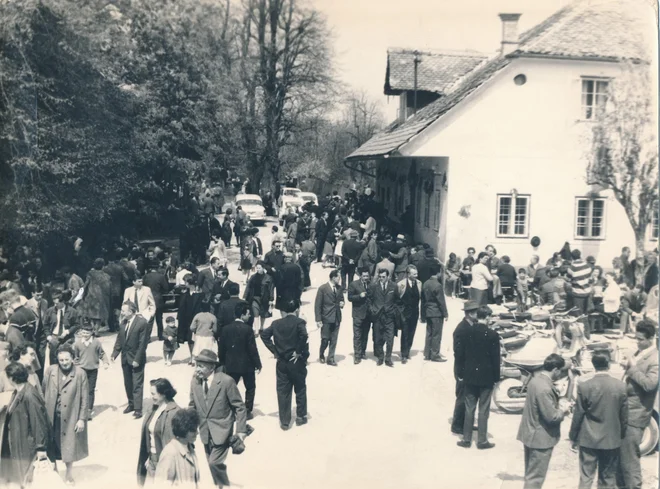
x,y
439,52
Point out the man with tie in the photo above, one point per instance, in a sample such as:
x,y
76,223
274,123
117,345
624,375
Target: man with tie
x,y
218,402
132,341
410,290
61,323
208,278
223,285
382,300
357,295
434,312
39,306
327,309
641,387
142,298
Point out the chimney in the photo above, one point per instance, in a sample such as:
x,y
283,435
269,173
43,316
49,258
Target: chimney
x,y
509,33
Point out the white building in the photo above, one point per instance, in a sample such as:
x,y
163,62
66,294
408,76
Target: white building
x,y
498,154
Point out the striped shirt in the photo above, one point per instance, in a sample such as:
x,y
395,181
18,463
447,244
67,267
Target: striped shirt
x,y
579,274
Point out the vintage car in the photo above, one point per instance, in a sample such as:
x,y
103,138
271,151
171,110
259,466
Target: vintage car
x,y
309,197
253,207
290,197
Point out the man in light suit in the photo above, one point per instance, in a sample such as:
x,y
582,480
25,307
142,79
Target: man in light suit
x,y
410,294
642,387
142,298
357,295
434,312
382,299
327,309
218,402
209,277
132,341
599,423
541,420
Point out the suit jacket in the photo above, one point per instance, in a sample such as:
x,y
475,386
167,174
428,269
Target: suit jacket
x,y
351,251
541,419
425,268
159,286
39,309
642,387
405,299
601,412
360,304
238,348
146,303
207,282
477,359
219,409
226,313
321,231
70,321
326,305
383,304
134,347
223,289
434,304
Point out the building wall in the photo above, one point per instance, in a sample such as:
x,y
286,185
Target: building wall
x,y
530,138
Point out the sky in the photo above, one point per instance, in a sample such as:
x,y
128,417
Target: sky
x,y
364,29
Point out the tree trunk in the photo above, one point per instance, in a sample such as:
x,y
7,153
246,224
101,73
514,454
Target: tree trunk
x,y
640,260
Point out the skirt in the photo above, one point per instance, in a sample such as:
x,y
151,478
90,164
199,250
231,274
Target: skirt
x,y
328,249
204,343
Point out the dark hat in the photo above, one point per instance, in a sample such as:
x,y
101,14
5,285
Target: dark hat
x,y
170,319
470,306
207,356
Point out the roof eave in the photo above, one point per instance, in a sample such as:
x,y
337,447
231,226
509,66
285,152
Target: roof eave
x,y
605,59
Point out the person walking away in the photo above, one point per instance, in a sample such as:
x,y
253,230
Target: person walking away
x,y
239,355
481,277
66,393
287,339
350,255
357,295
478,361
259,295
539,429
434,312
156,430
579,274
170,343
178,465
204,328
409,292
641,380
88,355
132,341
427,265
382,303
218,403
289,281
25,432
599,423
327,309
156,281
189,305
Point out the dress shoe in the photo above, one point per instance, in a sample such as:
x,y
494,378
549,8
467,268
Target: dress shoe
x,y
301,421
332,363
364,356
129,409
426,358
404,360
439,358
357,360
250,415
464,444
380,362
457,432
389,363
485,446
322,359
137,414
284,427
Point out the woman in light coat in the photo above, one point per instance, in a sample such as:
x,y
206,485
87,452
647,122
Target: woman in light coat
x,y
178,464
65,384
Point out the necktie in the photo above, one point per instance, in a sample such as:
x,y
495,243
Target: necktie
x,y
59,322
206,387
137,303
127,325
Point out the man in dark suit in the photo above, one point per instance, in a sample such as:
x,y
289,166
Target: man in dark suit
x,y
227,309
541,420
410,294
478,360
382,300
289,282
61,323
426,266
357,295
599,423
351,252
223,285
434,312
460,333
218,402
156,280
118,278
239,355
287,339
327,310
132,341
642,388
321,234
274,258
208,278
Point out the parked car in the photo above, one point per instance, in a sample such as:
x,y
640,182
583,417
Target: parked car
x,y
309,197
290,197
253,207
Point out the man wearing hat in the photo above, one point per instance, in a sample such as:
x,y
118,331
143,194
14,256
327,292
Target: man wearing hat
x,y
218,402
460,334
60,324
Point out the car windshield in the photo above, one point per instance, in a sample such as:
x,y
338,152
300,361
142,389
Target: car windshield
x,y
248,202
291,192
308,198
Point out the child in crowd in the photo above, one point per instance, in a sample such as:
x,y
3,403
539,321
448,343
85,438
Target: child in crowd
x,y
522,289
88,355
170,345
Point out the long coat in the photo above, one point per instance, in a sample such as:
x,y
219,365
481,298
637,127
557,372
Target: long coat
x,y
27,432
289,283
96,301
263,295
189,306
162,436
74,408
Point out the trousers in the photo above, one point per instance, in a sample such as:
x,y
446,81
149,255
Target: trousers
x,y
383,336
250,383
459,408
607,463
537,461
433,337
347,274
473,395
408,332
92,375
629,474
291,376
360,335
159,322
133,384
329,335
216,456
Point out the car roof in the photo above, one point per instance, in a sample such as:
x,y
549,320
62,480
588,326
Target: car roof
x,y
291,188
308,193
248,197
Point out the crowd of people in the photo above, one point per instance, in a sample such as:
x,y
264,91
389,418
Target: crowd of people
x,y
392,283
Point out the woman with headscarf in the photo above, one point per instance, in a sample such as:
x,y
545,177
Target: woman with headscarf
x,y
95,303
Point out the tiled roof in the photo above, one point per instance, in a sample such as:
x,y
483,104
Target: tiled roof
x,y
591,29
436,72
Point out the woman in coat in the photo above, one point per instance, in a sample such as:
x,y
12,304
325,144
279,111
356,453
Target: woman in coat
x,y
24,429
156,428
67,396
178,464
96,296
189,305
259,295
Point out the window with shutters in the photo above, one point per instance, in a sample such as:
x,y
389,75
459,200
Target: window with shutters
x,y
589,218
594,97
437,209
512,216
